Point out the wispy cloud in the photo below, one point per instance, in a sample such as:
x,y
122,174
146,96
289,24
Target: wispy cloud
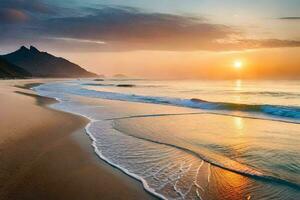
x,y
33,6
132,29
125,28
122,29
78,40
290,18
12,16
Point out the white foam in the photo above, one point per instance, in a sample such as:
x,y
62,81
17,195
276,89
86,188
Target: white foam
x,y
156,185
289,114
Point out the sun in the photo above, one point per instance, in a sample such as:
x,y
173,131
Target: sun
x,y
238,64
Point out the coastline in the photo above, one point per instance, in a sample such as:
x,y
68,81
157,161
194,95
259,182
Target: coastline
x,y
47,154
129,134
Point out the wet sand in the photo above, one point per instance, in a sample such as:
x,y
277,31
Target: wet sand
x,y
45,154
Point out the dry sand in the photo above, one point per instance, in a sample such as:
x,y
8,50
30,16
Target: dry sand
x,y
45,154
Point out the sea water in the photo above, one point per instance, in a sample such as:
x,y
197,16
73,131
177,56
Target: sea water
x,y
240,140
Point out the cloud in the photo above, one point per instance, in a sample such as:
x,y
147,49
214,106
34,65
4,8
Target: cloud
x,y
241,44
125,28
33,6
129,28
121,29
270,43
290,18
9,15
79,40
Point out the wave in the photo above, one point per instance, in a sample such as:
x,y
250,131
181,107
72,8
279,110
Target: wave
x,y
273,94
287,112
231,165
275,110
106,159
292,112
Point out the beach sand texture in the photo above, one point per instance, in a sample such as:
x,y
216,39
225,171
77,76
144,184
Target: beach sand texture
x,y
45,154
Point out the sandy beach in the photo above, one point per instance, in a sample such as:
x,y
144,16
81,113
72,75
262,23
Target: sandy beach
x,y
176,151
46,154
91,146
138,100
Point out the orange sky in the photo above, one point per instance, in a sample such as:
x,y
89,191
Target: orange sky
x,y
161,39
260,63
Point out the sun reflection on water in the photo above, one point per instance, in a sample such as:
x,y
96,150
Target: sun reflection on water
x,y
237,88
238,85
239,123
231,185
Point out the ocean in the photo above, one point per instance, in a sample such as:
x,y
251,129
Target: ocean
x,y
193,139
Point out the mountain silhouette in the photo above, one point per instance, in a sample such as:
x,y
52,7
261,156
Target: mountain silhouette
x,y
9,70
43,64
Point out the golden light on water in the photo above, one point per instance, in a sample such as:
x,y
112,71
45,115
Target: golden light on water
x,y
236,185
239,123
238,85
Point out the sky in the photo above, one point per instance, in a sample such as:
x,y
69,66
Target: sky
x,y
195,39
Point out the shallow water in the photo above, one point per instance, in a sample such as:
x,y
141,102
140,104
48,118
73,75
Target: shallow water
x,y
207,153
248,146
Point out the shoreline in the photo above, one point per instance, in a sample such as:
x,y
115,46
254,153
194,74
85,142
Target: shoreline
x,y
98,153
92,140
67,168
149,121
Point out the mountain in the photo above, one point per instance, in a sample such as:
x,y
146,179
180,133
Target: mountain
x,y
9,70
43,64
